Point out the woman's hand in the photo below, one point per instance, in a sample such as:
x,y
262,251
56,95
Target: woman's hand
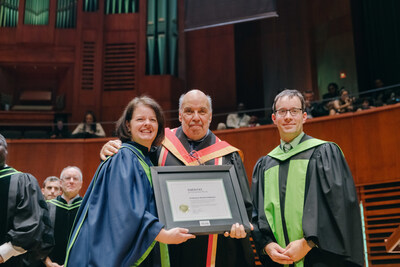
x,y
174,236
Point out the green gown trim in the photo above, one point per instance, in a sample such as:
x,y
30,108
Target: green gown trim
x,y
8,171
294,197
278,154
65,206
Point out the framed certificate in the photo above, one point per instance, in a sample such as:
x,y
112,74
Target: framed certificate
x,y
204,199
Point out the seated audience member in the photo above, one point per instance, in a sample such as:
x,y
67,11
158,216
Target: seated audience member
x,y
51,187
62,211
393,98
333,92
378,83
379,96
329,98
25,230
89,127
253,121
343,104
60,130
365,104
238,119
312,108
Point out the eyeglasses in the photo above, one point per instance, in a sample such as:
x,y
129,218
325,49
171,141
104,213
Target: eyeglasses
x,y
75,179
293,111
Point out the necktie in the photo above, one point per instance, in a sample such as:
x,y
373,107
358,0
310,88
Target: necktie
x,y
287,147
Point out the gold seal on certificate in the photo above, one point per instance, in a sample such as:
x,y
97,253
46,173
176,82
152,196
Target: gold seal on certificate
x,y
184,208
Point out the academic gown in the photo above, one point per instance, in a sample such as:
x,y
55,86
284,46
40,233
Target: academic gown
x,y
24,218
117,222
230,251
331,214
62,216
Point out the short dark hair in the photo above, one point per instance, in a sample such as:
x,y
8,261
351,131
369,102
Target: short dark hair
x,y
3,151
289,93
50,179
123,130
333,85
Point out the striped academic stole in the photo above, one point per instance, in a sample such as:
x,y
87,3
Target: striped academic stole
x,y
65,206
173,145
8,171
214,152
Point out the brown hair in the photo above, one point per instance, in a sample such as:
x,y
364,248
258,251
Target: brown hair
x,y
289,93
123,130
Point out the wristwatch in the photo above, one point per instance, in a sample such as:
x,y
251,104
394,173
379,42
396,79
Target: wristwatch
x,y
311,243
263,252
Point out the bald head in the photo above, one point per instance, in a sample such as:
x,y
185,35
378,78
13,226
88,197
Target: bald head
x,y
195,113
195,93
3,151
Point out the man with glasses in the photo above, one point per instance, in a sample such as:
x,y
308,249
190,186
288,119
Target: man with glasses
x,y
63,210
194,144
306,210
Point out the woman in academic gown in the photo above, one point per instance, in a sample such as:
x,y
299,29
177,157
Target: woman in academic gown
x,y
117,223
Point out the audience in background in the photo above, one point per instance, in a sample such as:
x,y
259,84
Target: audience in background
x,y
365,104
393,98
253,121
312,107
236,120
343,104
385,97
333,102
333,92
89,127
60,130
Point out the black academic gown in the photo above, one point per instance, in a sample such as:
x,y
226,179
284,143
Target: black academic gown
x,y
62,216
24,219
230,252
331,215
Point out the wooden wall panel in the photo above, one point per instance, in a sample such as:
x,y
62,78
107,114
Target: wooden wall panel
x,y
43,158
210,66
